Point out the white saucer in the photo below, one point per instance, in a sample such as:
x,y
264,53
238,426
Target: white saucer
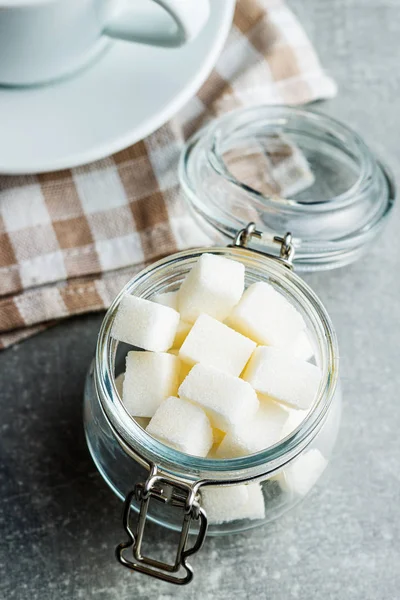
x,y
128,93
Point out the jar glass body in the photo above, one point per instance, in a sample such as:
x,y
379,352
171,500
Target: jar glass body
x,y
123,452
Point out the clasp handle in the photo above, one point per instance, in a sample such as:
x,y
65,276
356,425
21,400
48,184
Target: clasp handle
x,y
286,254
179,495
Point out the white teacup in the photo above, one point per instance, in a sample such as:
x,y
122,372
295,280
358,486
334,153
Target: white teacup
x,y
42,40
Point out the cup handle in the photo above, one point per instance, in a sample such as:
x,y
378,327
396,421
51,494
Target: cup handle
x,y
180,22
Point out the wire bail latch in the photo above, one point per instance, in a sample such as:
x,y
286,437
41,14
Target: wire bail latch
x,y
177,494
286,254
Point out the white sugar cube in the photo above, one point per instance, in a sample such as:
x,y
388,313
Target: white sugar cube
x,y
119,382
301,347
274,373
265,316
231,503
295,417
301,475
167,299
223,503
255,504
227,400
213,286
171,299
183,426
150,378
145,324
262,431
213,343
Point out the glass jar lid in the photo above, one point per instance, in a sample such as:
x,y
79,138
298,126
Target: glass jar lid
x,y
288,170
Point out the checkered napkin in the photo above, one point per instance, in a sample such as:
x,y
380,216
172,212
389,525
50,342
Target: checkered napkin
x,y
70,240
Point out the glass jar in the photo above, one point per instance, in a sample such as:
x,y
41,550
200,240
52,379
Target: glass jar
x,y
163,484
288,169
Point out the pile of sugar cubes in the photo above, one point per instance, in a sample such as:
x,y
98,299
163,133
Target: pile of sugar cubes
x,y
220,372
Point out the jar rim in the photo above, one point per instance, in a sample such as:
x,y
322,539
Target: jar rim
x,y
345,222
147,450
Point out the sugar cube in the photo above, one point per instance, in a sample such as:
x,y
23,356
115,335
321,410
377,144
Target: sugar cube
x,y
182,425
295,417
303,473
213,286
145,324
274,373
262,431
223,503
150,378
171,299
167,299
255,505
266,316
301,347
119,382
227,400
231,503
213,343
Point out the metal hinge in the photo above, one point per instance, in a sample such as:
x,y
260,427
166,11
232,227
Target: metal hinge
x,y
286,254
177,494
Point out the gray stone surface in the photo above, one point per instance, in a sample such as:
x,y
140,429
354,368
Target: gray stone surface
x,y
59,523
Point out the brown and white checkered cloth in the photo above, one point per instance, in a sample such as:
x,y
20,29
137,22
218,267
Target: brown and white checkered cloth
x,y
70,240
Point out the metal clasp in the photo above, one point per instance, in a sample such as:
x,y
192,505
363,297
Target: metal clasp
x,y
286,254
287,249
177,494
